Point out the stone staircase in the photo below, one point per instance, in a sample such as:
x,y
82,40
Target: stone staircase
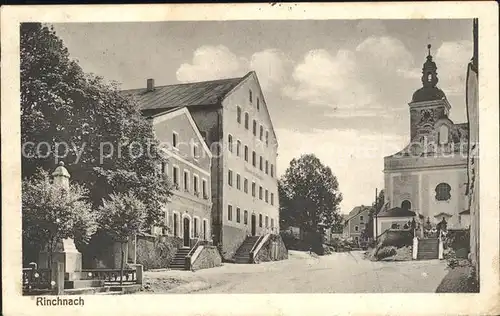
x,y
179,260
242,255
428,248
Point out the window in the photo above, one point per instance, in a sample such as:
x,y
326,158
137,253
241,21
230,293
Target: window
x,y
186,181
254,159
195,184
245,185
238,181
246,153
176,225
260,220
238,215
261,163
272,223
238,148
230,142
267,138
443,135
361,218
258,104
253,189
356,228
254,129
175,139
238,115
230,177
261,132
204,189
272,198
267,167
272,170
246,120
406,205
250,95
260,192
245,217
195,151
267,221
176,175
195,227
229,212
267,196
204,229
443,192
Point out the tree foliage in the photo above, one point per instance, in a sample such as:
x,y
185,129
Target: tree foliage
x,y
309,195
121,217
52,213
109,146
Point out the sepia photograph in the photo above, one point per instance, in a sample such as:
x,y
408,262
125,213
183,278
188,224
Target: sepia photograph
x,y
255,156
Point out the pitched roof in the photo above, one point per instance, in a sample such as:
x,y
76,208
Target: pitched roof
x,y
396,212
184,94
355,212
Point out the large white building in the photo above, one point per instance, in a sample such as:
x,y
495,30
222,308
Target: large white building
x,y
427,180
233,118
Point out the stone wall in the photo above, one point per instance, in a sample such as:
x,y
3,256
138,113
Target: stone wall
x,y
209,257
157,252
232,238
273,250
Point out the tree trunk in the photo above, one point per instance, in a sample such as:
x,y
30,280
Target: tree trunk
x,y
121,263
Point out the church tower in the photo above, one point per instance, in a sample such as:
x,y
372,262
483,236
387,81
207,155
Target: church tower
x,y
428,103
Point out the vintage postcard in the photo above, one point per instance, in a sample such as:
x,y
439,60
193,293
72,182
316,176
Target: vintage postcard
x,y
288,159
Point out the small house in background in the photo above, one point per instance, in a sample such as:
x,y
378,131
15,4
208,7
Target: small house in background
x,y
355,222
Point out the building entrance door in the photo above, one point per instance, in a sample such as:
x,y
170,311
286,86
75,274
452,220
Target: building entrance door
x,y
254,220
186,232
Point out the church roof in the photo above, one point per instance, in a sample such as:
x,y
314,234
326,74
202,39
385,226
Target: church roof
x,y
396,212
428,94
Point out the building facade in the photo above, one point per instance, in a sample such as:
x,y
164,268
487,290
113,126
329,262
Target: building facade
x,y
355,222
429,176
233,118
188,213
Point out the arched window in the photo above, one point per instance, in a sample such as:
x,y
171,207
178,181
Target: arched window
x,y
443,135
406,205
443,192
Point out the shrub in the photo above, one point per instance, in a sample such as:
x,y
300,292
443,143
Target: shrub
x,y
386,252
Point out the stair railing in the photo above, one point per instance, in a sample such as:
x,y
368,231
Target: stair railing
x,y
191,252
255,245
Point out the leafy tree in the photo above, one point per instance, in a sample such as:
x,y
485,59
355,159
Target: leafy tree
x,y
52,213
106,142
309,195
121,217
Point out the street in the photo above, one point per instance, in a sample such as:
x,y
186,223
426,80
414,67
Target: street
x,y
344,272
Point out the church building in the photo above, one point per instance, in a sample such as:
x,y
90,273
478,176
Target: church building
x,y
427,180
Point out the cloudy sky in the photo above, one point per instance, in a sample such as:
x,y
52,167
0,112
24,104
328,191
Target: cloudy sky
x,y
336,88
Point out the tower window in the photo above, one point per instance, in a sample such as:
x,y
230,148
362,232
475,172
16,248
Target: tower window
x,y
443,135
406,205
443,192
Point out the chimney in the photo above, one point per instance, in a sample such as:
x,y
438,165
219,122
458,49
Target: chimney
x,y
151,85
